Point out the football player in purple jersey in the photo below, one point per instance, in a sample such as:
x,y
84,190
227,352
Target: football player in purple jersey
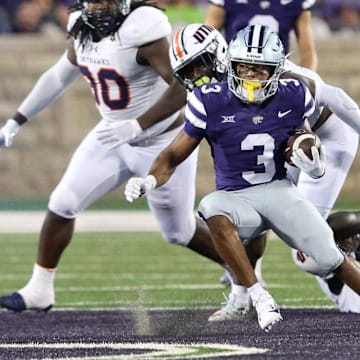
x,y
194,66
246,122
282,16
338,131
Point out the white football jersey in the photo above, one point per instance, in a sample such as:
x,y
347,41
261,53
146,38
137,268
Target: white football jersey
x,y
122,88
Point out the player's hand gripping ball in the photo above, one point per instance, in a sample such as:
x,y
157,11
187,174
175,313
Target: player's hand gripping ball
x,y
301,140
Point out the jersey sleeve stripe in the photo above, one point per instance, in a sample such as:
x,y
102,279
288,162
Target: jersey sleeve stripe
x,y
309,103
197,104
193,119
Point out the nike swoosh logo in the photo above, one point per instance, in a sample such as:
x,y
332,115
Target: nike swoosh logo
x,y
282,114
285,2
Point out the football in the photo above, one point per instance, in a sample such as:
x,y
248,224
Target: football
x,y
301,140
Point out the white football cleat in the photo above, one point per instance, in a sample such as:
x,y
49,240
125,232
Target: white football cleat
x,y
236,307
268,311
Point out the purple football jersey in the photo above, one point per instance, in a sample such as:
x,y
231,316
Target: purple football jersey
x,y
279,15
247,140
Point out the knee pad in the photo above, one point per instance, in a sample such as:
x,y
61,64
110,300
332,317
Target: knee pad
x,y
181,234
178,238
306,263
324,269
64,203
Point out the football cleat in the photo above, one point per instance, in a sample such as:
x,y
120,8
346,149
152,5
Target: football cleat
x,y
15,302
236,307
268,311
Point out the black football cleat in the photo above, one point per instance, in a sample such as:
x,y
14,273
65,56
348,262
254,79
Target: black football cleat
x,y
16,303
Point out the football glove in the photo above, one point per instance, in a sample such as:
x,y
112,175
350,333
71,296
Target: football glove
x,y
314,167
7,132
137,187
118,133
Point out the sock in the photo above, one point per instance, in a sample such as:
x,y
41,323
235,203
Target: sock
x,y
39,292
255,291
239,290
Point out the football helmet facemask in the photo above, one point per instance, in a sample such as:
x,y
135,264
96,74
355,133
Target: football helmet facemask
x,y
107,19
255,48
197,55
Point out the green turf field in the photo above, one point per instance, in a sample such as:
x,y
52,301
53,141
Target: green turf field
x,y
107,270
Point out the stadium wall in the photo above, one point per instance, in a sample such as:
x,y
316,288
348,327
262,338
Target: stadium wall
x,y
41,151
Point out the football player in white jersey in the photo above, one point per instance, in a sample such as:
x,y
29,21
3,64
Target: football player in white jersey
x,y
238,207
192,68
121,48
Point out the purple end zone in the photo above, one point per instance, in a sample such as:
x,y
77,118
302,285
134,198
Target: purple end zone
x,y
304,333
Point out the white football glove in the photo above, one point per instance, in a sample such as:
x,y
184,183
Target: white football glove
x,y
315,167
138,187
118,133
7,132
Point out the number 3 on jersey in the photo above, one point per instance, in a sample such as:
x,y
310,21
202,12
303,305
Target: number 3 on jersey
x,y
109,87
266,159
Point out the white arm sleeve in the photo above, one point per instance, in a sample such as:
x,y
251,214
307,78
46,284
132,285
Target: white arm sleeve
x,y
340,103
49,87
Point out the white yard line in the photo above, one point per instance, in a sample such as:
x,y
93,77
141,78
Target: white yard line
x,y
89,221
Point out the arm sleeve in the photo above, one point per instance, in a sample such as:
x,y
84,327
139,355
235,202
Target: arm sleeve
x,y
341,104
49,87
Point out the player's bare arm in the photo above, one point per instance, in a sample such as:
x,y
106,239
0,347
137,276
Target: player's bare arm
x,y
305,37
156,55
215,16
167,161
309,83
163,166
173,99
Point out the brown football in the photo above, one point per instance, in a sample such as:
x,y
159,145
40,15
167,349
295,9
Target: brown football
x,y
305,141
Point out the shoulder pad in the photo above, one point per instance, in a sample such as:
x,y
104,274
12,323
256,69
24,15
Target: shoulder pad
x,y
143,25
72,19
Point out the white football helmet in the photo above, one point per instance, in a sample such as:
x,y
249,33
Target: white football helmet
x,y
255,45
201,45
